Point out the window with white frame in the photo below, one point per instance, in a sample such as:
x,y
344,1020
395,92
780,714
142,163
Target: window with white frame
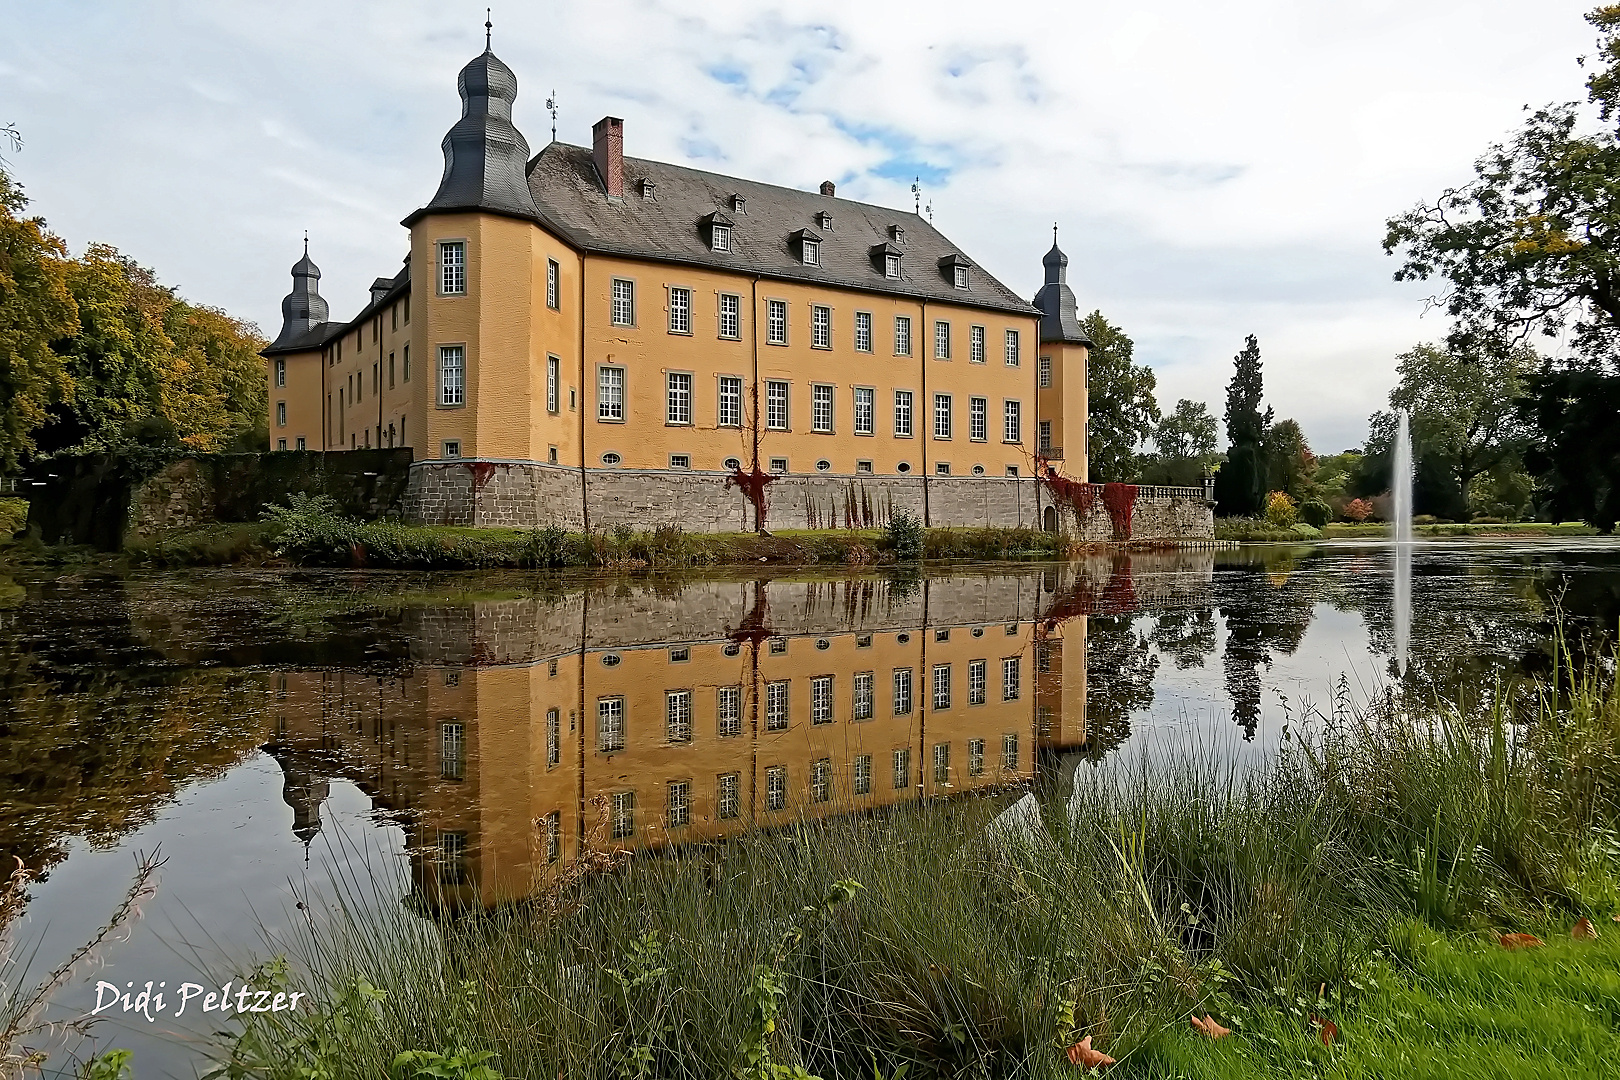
x,y
1012,677
776,705
624,302
452,750
821,780
776,322
679,807
961,277
942,686
864,408
812,252
821,407
902,335
975,757
1043,372
678,407
863,331
451,862
900,704
720,237
976,344
942,416
452,375
902,413
610,724
451,451
861,701
553,379
281,414
779,464
553,284
776,405
553,738
978,428
452,267
553,829
623,808
942,763
976,681
891,266
730,316
1009,751
281,371
610,393
1046,435
821,699
729,795
678,715
680,310
1012,427
942,340
900,764
728,706
1012,348
820,326
775,787
730,410
862,779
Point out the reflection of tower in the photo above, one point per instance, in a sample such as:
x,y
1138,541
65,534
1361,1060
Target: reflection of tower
x,y
303,791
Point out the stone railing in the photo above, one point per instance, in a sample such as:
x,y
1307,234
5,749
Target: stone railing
x,y
1166,491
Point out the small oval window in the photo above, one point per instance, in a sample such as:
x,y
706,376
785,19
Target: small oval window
x,y
978,470
978,631
610,458
902,638
610,660
904,466
823,644
823,465
732,650
732,463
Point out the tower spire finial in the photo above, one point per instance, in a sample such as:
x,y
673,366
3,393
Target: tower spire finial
x,y
306,243
1054,234
488,26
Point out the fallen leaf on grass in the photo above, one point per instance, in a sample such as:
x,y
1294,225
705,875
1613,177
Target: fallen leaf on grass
x,y
1583,930
1208,1026
1520,941
1327,1028
1083,1055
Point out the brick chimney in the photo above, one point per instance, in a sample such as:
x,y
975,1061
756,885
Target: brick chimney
x,y
607,138
827,188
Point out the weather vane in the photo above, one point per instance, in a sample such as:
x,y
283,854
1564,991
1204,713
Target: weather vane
x,y
488,26
929,209
551,103
916,196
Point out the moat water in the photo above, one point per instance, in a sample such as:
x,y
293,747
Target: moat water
x,y
446,739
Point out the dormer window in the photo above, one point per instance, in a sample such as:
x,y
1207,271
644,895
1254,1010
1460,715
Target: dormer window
x,y
824,221
718,227
646,188
720,240
897,234
809,242
891,266
738,204
961,277
955,270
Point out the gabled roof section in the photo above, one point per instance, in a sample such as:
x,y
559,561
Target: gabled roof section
x,y
572,204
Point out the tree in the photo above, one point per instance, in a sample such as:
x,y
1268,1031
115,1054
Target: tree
x,y
1289,461
1532,243
1187,432
1241,485
1123,410
1463,402
1576,444
35,309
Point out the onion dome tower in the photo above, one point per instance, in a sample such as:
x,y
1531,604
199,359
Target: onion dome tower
x,y
1059,319
485,157
303,309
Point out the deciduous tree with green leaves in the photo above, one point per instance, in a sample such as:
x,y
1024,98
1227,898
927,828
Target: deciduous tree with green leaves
x,y
1123,409
36,308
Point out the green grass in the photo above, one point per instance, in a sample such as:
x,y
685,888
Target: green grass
x,y
1257,531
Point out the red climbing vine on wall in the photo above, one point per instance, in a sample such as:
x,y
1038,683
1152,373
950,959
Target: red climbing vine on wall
x,y
1120,500
1075,495
752,485
481,472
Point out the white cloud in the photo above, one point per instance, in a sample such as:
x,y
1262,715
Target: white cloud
x,y
1218,169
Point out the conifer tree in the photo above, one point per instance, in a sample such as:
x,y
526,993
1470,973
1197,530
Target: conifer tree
x,y
1240,487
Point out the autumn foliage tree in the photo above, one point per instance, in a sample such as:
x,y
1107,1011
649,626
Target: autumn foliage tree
x,y
36,308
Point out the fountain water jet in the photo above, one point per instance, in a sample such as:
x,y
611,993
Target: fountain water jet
x,y
1401,493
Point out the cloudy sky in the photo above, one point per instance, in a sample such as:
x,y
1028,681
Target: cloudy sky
x,y
1217,169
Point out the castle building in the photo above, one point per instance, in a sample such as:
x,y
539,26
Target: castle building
x,y
585,338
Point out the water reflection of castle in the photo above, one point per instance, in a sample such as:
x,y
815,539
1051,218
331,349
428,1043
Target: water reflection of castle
x,y
528,728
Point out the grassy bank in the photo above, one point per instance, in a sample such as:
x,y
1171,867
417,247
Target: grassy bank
x,y
1358,879
1256,530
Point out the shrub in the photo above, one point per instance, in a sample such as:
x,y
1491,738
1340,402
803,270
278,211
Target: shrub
x,y
1281,510
1308,532
1358,510
905,536
1315,512
13,516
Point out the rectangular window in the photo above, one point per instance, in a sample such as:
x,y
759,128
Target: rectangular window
x,y
730,412
942,763
452,375
863,331
901,705
891,266
281,414
281,444
902,413
452,448
776,405
553,383
452,858
942,686
821,407
821,699
610,724
942,416
864,396
730,316
390,371
720,237
729,792
728,704
1012,677
821,780
553,822
820,326
610,393
942,340
861,705
975,757
862,465
901,765
553,738
553,285
281,371
978,428
1043,372
624,814
775,787
976,681
678,715
452,751
1009,752
300,442
1013,429
452,267
902,335
679,399
776,705
624,302
942,468
976,344
1046,435
406,363
961,277
776,322
680,803
1012,348
812,252
680,310
863,774
779,464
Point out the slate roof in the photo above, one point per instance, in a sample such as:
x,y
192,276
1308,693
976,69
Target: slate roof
x,y
669,226
317,336
1060,318
313,338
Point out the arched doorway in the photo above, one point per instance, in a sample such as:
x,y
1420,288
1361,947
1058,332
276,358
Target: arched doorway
x,y
1050,519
